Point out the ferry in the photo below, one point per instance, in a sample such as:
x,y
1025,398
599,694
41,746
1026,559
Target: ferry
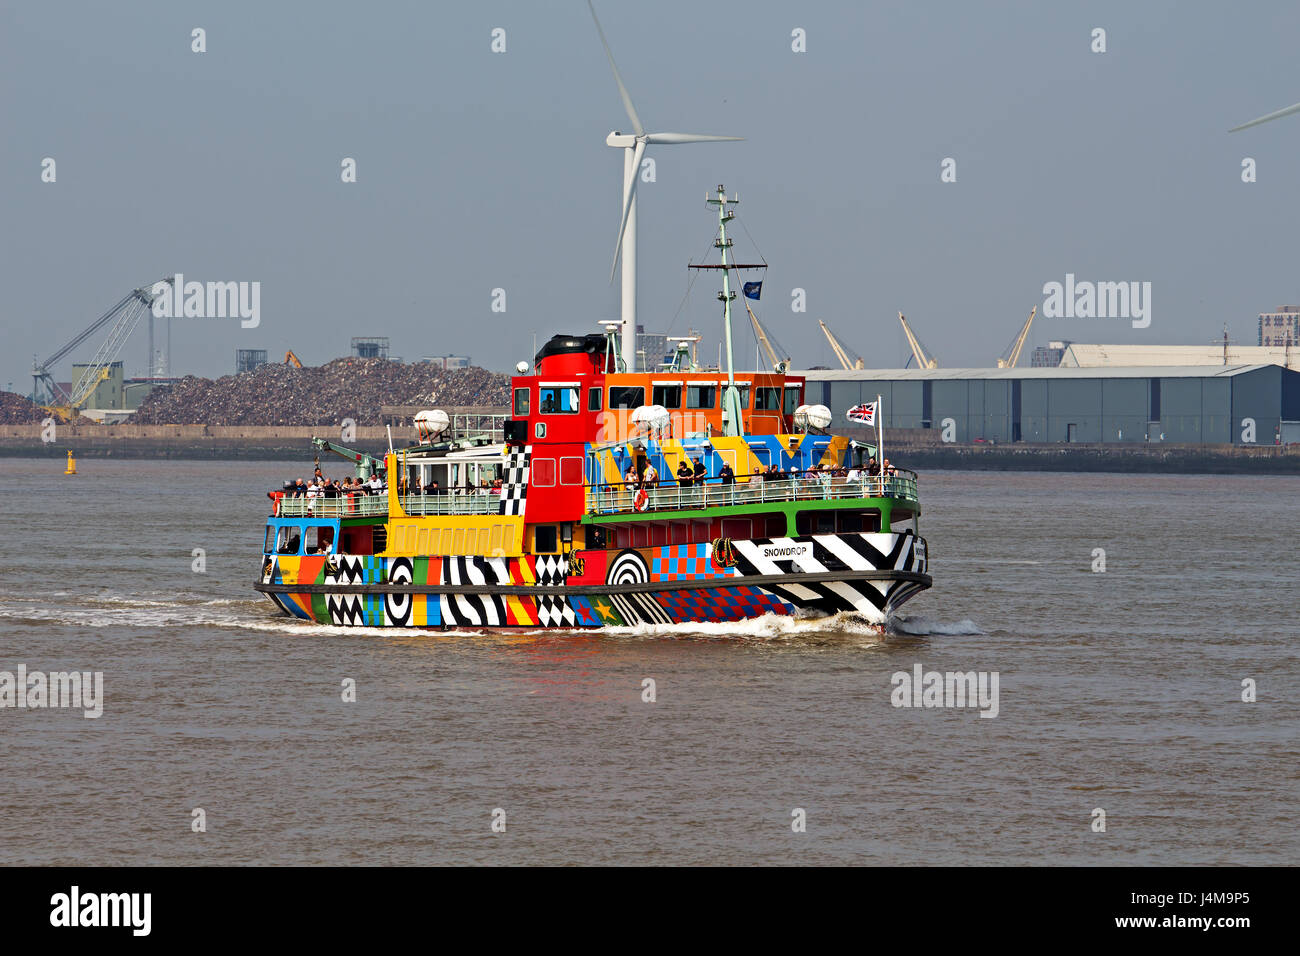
x,y
553,518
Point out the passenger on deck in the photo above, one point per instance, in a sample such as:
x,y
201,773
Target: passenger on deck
x,y
700,471
873,468
651,477
433,488
632,478
726,475
685,474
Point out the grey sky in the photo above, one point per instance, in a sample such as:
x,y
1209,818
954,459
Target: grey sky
x,y
479,170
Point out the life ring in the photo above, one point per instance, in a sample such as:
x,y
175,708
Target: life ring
x,y
642,500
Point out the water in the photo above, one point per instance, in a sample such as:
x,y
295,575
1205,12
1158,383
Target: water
x,y
1118,690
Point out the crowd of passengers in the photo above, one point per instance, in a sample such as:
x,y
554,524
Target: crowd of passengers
x,y
644,475
321,487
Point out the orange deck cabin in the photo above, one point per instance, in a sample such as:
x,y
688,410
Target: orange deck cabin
x,y
570,401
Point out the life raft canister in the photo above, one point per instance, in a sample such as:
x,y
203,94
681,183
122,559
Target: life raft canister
x,y
642,500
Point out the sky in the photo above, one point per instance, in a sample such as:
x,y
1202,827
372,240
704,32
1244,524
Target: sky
x,y
479,170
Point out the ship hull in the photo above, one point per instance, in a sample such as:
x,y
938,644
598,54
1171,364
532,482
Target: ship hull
x,y
868,575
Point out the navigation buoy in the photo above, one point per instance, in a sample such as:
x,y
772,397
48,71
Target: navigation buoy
x,y
72,465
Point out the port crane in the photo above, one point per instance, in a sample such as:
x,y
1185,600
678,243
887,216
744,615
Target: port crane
x,y
122,320
291,359
841,353
923,359
779,362
1012,354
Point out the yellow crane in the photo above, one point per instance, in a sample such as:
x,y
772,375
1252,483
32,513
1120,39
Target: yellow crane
x,y
291,359
779,363
1012,355
840,351
923,360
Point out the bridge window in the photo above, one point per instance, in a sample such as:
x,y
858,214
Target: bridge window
x,y
593,399
626,396
669,396
269,547
521,403
767,399
701,396
557,400
792,398
543,472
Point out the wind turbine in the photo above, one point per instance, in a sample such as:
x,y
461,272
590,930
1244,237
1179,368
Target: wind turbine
x,y
633,146
1278,114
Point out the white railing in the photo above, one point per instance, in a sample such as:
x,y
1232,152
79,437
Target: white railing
x,y
616,498
360,506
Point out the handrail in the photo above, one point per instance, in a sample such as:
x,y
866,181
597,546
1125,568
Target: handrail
x,y
360,506
619,497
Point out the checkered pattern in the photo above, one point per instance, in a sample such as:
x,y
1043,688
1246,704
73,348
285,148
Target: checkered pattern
x,y
682,562
555,612
551,570
722,604
514,483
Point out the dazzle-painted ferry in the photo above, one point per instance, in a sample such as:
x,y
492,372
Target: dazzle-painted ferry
x,y
608,498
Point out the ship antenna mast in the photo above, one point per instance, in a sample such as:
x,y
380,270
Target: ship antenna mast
x,y
731,397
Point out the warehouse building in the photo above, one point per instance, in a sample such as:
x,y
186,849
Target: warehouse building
x,y
1198,404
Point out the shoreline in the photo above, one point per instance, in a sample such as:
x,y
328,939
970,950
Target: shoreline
x,y
910,449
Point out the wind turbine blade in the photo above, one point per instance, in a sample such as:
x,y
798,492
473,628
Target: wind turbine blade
x,y
672,138
622,90
629,192
1271,116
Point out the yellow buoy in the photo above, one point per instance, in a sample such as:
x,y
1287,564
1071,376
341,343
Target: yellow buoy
x,y
72,465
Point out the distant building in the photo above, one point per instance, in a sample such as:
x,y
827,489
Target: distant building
x,y
448,361
369,347
107,392
1048,356
1195,404
1280,327
248,359
1078,355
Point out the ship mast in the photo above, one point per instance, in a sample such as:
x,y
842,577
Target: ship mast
x,y
731,411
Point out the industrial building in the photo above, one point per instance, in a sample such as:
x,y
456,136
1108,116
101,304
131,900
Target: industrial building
x,y
1197,404
1078,355
1281,327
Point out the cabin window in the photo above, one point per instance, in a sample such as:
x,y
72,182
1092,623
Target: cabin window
x,y
571,471
557,400
626,396
776,527
269,547
288,540
546,539
701,396
681,533
593,399
815,522
669,396
311,542
540,429
543,472
744,395
521,403
767,399
791,398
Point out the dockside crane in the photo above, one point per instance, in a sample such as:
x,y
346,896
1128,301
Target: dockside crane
x,y
779,362
923,359
122,320
841,353
1012,355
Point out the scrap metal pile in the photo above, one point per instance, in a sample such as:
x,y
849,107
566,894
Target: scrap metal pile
x,y
275,394
18,409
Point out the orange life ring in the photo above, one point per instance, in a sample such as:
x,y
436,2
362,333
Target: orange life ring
x,y
642,500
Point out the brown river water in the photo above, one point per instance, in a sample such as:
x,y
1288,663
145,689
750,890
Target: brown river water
x,y
1118,690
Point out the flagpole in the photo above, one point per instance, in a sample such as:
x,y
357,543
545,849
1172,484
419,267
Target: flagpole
x,y
880,438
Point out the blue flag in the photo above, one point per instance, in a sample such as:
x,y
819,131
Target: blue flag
x,y
753,290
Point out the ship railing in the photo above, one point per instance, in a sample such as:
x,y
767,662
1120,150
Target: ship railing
x,y
621,497
361,506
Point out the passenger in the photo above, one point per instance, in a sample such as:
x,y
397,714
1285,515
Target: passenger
x,y
854,474
433,488
873,468
726,475
650,479
700,471
685,474
632,479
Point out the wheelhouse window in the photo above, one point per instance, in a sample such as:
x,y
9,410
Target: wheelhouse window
x,y
791,398
744,395
287,541
767,399
521,403
557,400
269,547
593,399
701,396
626,396
669,396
